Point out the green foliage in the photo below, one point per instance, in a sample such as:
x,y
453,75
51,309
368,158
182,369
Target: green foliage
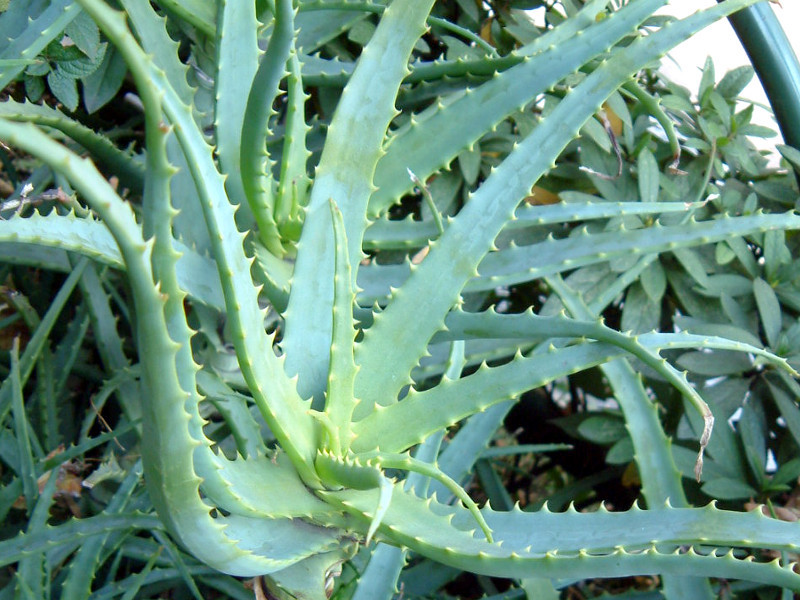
x,y
507,224
72,54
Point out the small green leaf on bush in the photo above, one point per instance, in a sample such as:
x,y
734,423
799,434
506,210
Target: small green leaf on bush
x,y
721,108
654,281
751,428
712,130
85,34
82,65
677,103
787,473
470,163
103,84
723,253
603,429
64,88
691,262
792,155
753,130
735,81
789,411
34,87
640,313
621,452
714,363
706,81
728,489
769,309
38,69
776,253
735,312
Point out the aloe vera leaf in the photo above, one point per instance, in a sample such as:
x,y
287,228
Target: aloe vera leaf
x,y
16,17
546,530
203,461
345,174
164,257
348,471
234,410
64,358
270,489
294,182
137,580
188,226
459,456
430,141
421,71
84,564
340,401
38,32
158,576
312,578
107,339
49,537
690,233
404,462
68,348
180,564
153,36
91,238
30,571
323,72
171,480
9,494
36,344
74,451
384,234
27,472
378,9
667,341
105,153
256,165
52,259
237,63
554,545
454,257
151,31
528,325
273,392
517,264
451,401
576,25
661,479
317,28
274,274
503,268
197,13
287,540
653,106
379,579
42,405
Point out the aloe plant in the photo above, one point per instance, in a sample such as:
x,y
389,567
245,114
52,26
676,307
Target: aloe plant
x,y
355,335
